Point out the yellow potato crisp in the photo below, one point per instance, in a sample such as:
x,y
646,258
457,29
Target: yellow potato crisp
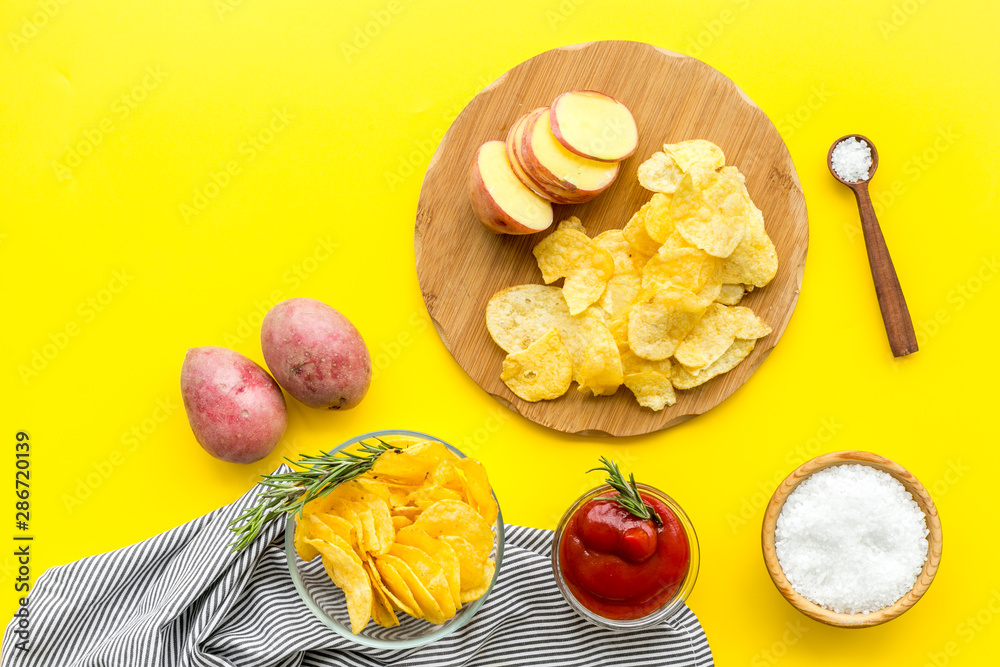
x,y
656,327
737,352
710,212
660,173
696,154
569,253
542,371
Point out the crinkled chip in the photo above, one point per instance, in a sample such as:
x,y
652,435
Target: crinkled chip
x,y
569,253
658,220
651,389
737,352
660,173
710,212
754,260
635,233
600,369
620,295
689,268
730,294
621,251
518,316
696,154
715,333
541,372
656,327
648,380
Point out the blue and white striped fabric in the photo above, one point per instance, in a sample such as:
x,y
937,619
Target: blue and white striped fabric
x,y
182,599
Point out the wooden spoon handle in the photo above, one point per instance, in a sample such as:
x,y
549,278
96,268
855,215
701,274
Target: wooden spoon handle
x,y
891,302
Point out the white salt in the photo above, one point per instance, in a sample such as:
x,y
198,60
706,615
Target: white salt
x,y
852,159
851,539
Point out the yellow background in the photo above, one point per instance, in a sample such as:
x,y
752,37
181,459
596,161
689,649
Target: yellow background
x,y
116,115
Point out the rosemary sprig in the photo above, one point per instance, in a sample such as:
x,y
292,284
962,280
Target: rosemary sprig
x,y
290,491
628,495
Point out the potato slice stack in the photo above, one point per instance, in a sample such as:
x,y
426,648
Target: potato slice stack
x,y
653,306
413,534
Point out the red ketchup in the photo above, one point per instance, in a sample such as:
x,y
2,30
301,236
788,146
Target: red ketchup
x,y
620,566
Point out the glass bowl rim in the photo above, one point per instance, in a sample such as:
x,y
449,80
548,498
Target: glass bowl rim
x,y
464,615
656,617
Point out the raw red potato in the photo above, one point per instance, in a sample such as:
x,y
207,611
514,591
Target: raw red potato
x,y
499,199
594,125
316,354
234,407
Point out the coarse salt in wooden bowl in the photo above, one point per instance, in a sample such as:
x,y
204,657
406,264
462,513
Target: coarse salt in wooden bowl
x,y
904,477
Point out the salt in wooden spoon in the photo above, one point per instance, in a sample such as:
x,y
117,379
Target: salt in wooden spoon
x,y
891,302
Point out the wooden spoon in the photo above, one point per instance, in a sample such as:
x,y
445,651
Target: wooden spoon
x,y
891,302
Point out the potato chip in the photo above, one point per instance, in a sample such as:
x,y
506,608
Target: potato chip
x,y
383,611
427,603
737,352
729,294
620,295
586,266
302,547
600,369
643,246
478,491
395,587
696,154
543,371
400,522
619,329
473,594
372,510
715,333
407,606
710,212
660,173
754,260
471,566
689,268
573,223
412,465
430,575
518,316
658,219
439,551
621,251
656,327
342,528
451,517
350,577
651,389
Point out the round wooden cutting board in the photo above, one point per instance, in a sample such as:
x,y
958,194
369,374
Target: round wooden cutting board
x,y
460,265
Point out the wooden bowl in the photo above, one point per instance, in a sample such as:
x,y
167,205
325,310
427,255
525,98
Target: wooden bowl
x,y
919,494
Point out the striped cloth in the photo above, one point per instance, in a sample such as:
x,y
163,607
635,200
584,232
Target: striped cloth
x,y
183,599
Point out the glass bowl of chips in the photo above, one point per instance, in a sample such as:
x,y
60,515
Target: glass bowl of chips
x,y
406,553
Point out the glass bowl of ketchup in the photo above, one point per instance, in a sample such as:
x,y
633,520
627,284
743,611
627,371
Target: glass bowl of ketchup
x,y
620,571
